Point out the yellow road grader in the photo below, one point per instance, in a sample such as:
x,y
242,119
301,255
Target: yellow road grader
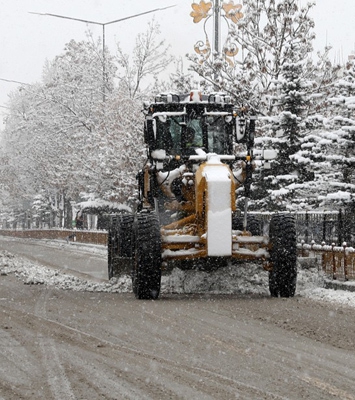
x,y
200,152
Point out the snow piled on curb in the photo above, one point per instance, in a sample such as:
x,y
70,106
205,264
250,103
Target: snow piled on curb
x,y
35,274
244,279
331,295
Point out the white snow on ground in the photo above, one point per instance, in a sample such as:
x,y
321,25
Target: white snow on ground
x,y
245,279
35,274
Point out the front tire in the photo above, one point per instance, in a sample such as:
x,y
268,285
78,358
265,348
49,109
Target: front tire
x,y
146,274
283,256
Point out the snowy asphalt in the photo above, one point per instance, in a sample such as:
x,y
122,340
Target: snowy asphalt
x,y
83,268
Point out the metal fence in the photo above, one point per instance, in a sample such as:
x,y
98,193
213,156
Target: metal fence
x,y
327,235
320,226
329,227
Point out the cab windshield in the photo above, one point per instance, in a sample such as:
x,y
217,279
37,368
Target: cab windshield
x,y
179,135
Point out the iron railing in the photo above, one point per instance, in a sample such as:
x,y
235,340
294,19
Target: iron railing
x,y
319,226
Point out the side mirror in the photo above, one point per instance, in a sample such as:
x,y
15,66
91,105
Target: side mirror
x,y
150,133
245,130
240,128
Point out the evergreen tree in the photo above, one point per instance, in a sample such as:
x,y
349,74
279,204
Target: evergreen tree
x,y
288,172
341,137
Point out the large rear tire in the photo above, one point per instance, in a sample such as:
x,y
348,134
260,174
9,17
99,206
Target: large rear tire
x,y
283,256
253,224
126,237
146,274
120,245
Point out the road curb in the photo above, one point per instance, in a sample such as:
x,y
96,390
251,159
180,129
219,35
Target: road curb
x,y
338,285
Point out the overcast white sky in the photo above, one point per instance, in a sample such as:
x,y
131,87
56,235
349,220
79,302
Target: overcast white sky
x,y
27,40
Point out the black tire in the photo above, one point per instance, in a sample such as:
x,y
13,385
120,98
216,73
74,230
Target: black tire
x,y
283,256
253,224
126,237
146,274
120,245
110,253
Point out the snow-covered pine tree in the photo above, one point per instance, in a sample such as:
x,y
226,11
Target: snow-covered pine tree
x,y
286,182
341,138
328,145
277,37
316,133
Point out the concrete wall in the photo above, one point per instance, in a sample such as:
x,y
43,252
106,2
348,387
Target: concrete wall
x,y
61,234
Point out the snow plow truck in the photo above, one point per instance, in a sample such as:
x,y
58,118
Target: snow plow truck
x,y
200,153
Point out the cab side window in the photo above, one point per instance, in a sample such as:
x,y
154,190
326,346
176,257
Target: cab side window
x,y
216,135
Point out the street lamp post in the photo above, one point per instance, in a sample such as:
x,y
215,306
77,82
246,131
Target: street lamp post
x,y
103,24
219,9
217,22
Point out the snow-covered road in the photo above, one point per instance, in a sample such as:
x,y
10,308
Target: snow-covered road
x,y
73,258
211,336
77,266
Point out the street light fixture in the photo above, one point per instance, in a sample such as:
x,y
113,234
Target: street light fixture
x,y
103,24
231,13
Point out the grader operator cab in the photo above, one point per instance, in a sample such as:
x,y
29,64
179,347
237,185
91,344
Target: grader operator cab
x,y
200,151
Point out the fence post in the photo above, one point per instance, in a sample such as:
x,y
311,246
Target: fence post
x,y
307,227
340,227
324,259
345,262
333,259
302,249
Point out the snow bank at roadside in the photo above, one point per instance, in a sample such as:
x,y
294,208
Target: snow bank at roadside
x,y
331,295
35,274
246,279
